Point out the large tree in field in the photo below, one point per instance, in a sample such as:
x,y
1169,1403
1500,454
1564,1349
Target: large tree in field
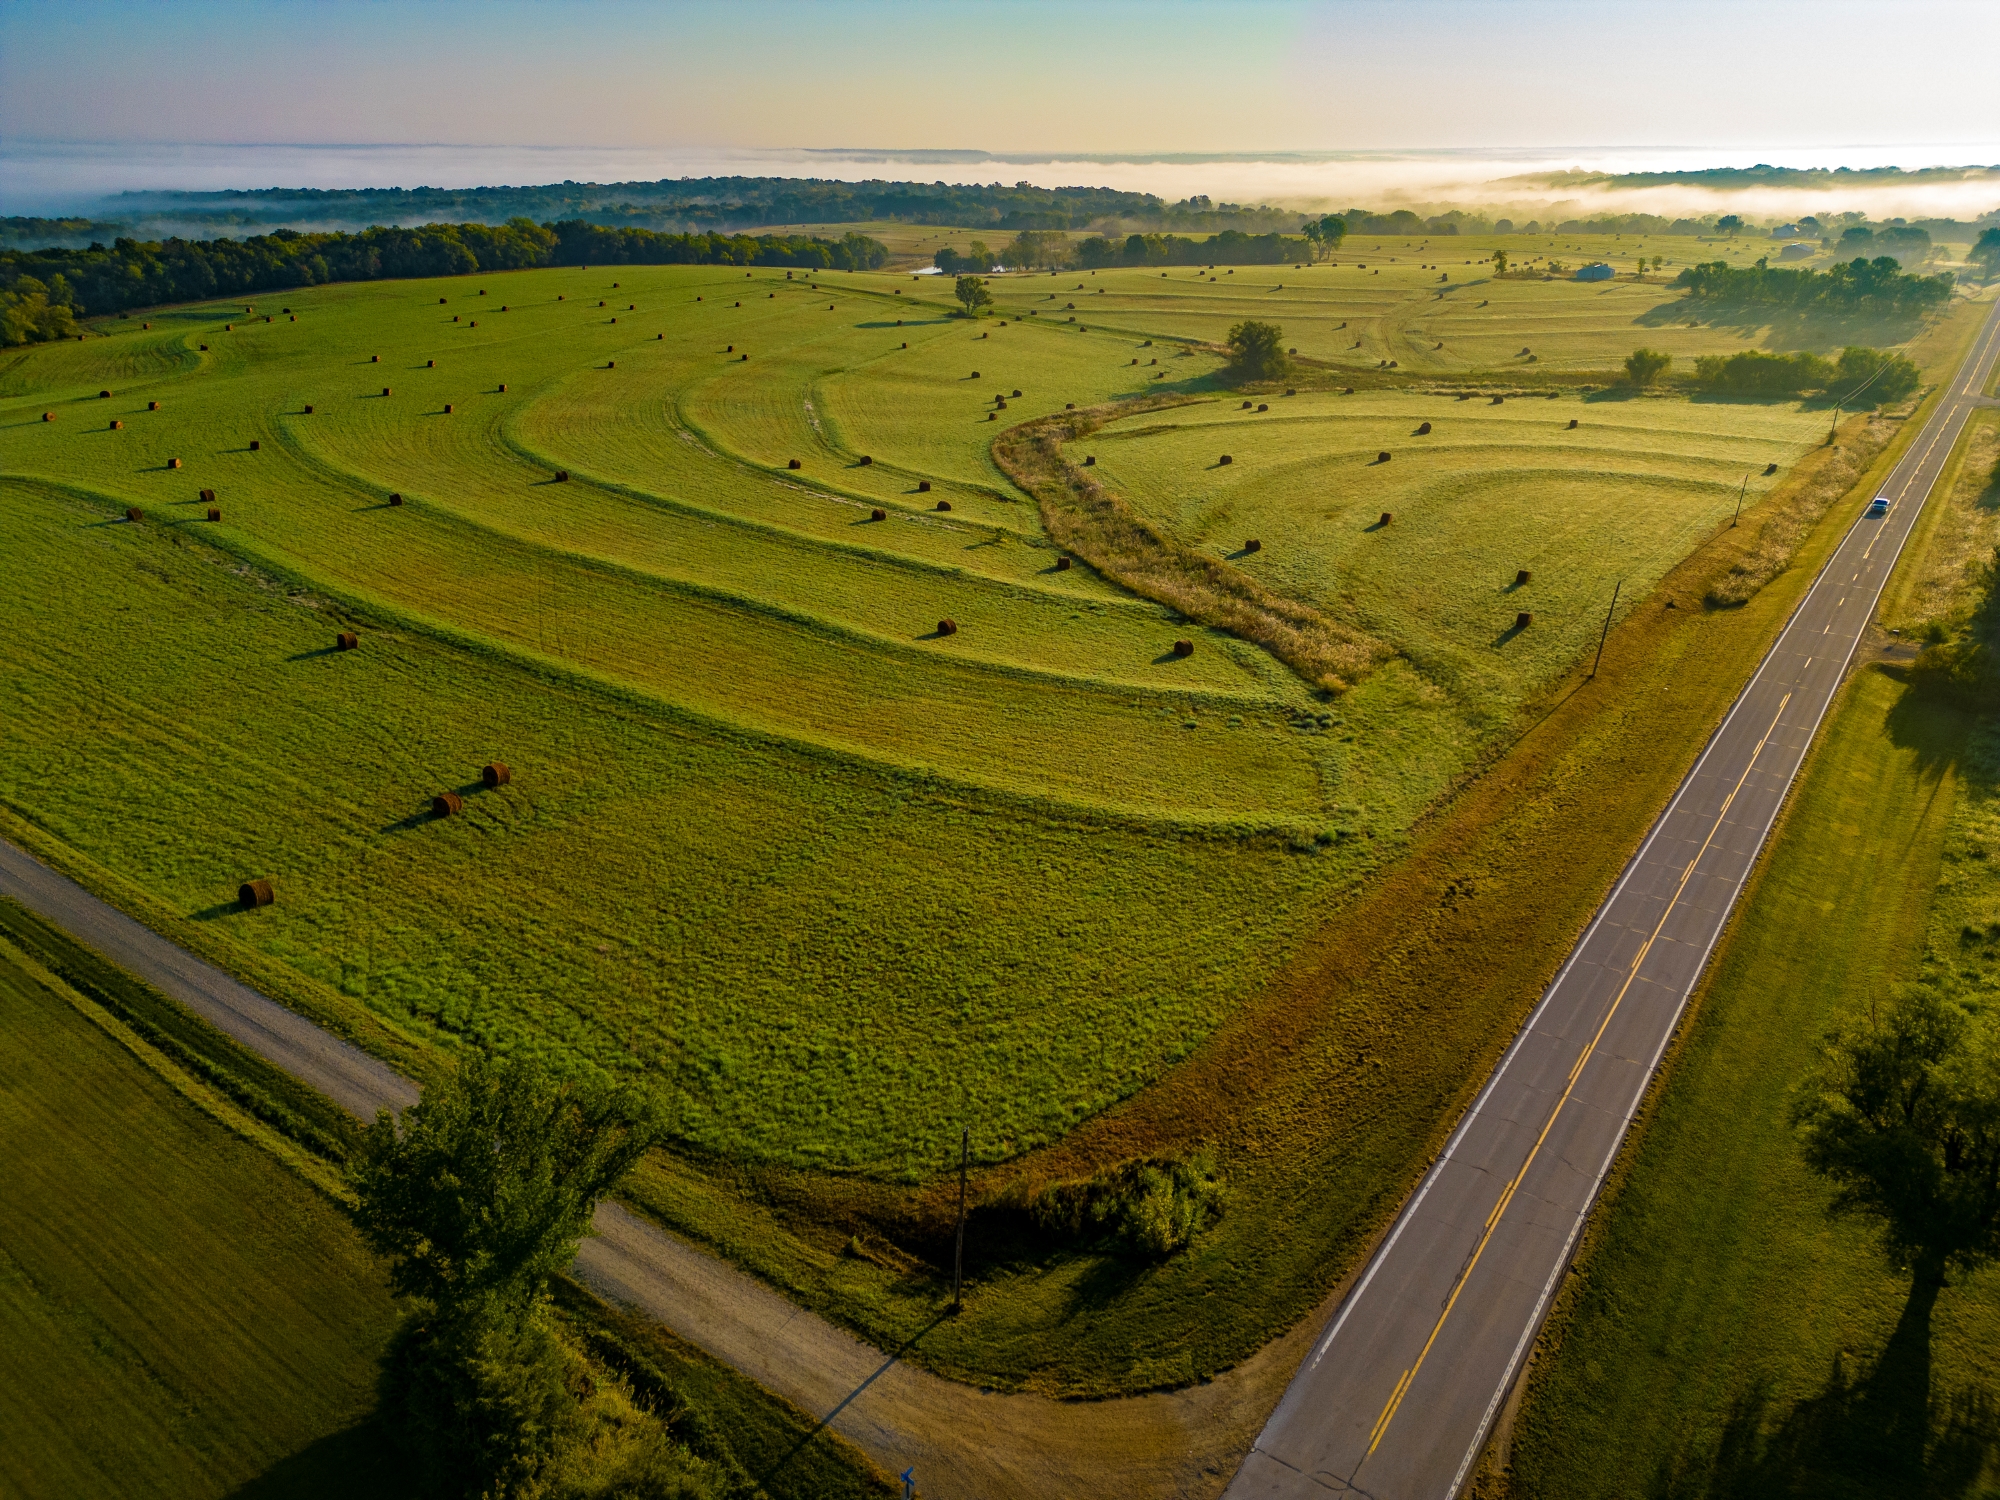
x,y
1257,350
1324,234
972,294
1903,1116
481,1196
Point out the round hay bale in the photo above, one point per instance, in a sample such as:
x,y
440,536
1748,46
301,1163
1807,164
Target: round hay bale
x,y
1423,429
48,416
347,640
944,505
1523,620
229,328
430,364
173,463
1382,457
116,424
152,406
612,364
562,476
993,416
1225,459
1263,406
743,356
1069,406
1350,390
206,497
1291,390
133,513
1386,519
1253,545
1062,565
1184,648
385,390
923,486
497,774
447,408
396,499
865,460
1499,400
444,804
1244,407
1521,578
878,514
975,374
1090,460
1769,469
947,627
440,302
906,344
502,388
309,410
1017,395
104,395
1572,423
374,359
215,513
792,463
202,347
253,893
255,445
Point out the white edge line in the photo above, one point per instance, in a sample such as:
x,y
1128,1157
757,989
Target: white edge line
x,y
1652,1068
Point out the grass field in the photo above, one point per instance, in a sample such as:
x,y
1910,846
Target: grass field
x,y
1799,1361
181,1314
838,881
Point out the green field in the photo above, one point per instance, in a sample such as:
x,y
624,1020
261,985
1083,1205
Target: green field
x,y
1798,1360
839,883
181,1314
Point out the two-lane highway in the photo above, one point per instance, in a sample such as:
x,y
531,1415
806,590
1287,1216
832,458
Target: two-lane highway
x,y
1396,1398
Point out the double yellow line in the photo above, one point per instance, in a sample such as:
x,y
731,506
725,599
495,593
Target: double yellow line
x,y
1507,1194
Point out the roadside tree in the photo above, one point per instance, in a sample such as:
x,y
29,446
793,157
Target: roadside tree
x,y
1903,1117
480,1198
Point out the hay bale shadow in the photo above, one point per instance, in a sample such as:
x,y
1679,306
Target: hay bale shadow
x,y
1506,635
219,909
314,654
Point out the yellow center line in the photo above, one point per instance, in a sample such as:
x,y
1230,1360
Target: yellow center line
x,y
1507,1194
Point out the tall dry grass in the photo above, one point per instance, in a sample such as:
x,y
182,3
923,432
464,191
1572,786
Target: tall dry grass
x,y
1099,526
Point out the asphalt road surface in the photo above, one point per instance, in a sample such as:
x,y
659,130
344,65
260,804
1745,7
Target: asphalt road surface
x,y
1396,1398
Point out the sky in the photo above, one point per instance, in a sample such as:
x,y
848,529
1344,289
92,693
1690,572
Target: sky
x,y
1765,76
1249,100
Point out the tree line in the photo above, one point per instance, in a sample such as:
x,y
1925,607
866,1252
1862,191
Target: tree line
x,y
43,292
1879,286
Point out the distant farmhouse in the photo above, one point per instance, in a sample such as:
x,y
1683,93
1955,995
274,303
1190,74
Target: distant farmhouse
x,y
1597,270
1796,252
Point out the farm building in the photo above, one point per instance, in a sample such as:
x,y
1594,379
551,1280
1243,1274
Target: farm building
x,y
1597,270
1797,252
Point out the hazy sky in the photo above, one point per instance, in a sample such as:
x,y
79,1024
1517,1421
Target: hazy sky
x,y
1765,77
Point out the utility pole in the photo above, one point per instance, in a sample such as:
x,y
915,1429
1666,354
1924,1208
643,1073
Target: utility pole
x,y
1739,500
1607,627
958,1254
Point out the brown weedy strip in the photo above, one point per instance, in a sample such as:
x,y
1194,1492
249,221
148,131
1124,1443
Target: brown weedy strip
x,y
1082,517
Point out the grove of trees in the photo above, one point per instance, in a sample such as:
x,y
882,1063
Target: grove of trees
x,y
132,274
1875,377
1879,286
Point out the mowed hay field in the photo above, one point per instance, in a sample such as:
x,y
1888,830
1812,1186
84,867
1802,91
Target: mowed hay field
x,y
1490,491
181,1314
838,881
1434,309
